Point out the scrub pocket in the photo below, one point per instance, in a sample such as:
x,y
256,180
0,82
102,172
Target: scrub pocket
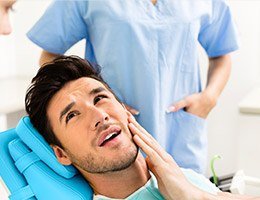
x,y
191,125
195,123
189,140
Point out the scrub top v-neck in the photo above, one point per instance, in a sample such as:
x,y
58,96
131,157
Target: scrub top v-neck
x,y
149,56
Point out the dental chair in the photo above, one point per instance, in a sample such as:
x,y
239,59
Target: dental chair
x,y
30,170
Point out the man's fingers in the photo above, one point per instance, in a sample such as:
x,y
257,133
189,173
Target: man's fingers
x,y
149,141
132,120
177,106
140,130
136,128
145,137
150,152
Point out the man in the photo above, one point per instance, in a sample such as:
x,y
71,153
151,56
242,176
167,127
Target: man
x,y
149,52
87,126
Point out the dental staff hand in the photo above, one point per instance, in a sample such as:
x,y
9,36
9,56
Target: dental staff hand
x,y
199,104
171,181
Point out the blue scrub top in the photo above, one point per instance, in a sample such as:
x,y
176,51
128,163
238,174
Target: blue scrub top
x,y
149,57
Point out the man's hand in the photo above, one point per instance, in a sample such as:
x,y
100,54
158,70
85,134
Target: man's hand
x,y
171,181
199,104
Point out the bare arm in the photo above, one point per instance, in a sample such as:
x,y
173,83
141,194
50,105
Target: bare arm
x,y
218,74
47,57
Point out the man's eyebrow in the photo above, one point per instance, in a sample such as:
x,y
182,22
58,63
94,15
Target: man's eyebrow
x,y
97,90
69,106
66,109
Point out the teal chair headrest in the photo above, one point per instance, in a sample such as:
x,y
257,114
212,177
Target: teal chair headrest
x,y
30,170
31,137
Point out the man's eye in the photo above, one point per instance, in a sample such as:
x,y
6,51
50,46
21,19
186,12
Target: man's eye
x,y
71,115
98,98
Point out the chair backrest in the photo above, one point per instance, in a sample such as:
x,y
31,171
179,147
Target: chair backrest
x,y
30,170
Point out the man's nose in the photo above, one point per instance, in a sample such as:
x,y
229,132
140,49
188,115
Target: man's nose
x,y
100,117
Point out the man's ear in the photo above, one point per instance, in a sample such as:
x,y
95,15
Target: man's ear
x,y
61,155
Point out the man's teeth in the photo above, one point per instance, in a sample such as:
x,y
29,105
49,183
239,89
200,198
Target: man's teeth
x,y
109,136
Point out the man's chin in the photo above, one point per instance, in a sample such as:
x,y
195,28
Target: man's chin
x,y
120,160
124,163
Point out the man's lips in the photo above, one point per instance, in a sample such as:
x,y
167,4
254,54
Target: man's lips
x,y
110,132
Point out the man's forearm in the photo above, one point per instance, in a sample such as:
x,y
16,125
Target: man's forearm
x,y
218,74
47,57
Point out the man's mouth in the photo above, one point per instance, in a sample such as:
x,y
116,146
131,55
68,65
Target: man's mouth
x,y
108,135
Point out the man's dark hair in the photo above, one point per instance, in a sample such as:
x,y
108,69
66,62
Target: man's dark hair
x,y
51,78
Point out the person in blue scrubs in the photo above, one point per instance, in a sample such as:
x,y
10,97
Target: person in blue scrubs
x,y
148,51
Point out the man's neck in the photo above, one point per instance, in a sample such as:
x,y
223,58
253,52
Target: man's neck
x,y
120,184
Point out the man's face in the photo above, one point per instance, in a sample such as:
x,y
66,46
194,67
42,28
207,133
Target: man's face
x,y
5,6
92,127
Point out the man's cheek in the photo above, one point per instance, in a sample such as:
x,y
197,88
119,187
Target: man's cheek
x,y
121,114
